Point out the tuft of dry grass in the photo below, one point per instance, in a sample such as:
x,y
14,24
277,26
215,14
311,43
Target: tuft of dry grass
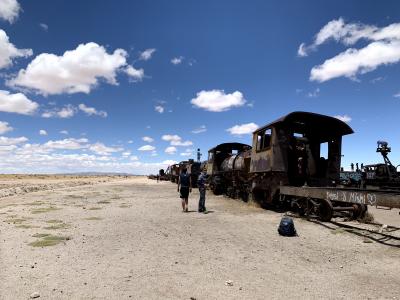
x,y
15,220
26,226
74,196
123,205
367,218
93,219
41,235
48,240
95,208
44,210
54,221
56,226
104,202
35,203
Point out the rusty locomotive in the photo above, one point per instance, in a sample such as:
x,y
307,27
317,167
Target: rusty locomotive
x,y
293,161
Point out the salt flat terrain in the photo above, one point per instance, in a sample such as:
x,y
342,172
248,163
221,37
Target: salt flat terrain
x,y
126,238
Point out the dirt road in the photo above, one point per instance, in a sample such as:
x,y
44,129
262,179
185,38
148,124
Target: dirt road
x,y
128,239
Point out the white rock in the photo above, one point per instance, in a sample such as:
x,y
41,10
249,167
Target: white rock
x,y
35,295
229,283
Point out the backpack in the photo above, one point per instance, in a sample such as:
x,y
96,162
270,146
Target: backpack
x,y
286,227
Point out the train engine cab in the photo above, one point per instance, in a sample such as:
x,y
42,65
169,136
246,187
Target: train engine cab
x,y
228,168
298,149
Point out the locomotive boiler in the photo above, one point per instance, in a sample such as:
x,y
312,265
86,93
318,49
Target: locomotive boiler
x,y
228,166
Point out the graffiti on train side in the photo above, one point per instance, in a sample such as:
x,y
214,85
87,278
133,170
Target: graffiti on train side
x,y
352,197
350,176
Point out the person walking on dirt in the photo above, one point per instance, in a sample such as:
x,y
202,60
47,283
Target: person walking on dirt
x,y
201,183
185,187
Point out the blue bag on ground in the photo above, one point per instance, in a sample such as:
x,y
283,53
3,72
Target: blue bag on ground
x,y
286,227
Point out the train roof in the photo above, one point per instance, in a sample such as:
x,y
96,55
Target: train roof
x,y
319,123
234,146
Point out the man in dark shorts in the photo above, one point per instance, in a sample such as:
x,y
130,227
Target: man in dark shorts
x,y
185,187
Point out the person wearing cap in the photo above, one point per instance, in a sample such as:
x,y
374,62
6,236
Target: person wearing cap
x,y
184,187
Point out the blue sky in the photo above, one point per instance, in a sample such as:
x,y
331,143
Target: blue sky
x,y
83,82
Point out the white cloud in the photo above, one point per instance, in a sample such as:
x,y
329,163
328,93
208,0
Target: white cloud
x,y
16,156
67,144
92,111
170,150
6,141
176,140
313,94
126,153
42,132
134,74
147,139
9,10
8,51
353,61
16,103
177,60
44,26
69,111
4,127
66,112
101,149
182,143
200,129
242,129
383,49
171,137
343,118
7,149
159,109
187,152
75,71
64,132
147,54
217,100
147,148
377,79
130,142
169,162
302,50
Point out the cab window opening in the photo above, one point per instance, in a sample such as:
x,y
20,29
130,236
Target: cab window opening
x,y
264,139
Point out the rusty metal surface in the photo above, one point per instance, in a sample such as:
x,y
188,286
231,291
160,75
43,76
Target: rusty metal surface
x,y
294,148
366,197
322,123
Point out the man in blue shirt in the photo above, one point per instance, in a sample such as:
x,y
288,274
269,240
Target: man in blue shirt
x,y
201,183
185,187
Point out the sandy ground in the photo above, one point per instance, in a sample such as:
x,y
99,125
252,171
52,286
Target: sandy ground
x,y
128,239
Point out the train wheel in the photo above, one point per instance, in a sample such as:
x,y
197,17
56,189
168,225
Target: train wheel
x,y
325,210
217,190
359,211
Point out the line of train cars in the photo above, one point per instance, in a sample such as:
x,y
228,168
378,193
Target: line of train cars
x,y
293,163
193,168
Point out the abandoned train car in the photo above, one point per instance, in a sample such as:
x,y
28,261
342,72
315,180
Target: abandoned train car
x,y
228,168
298,149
